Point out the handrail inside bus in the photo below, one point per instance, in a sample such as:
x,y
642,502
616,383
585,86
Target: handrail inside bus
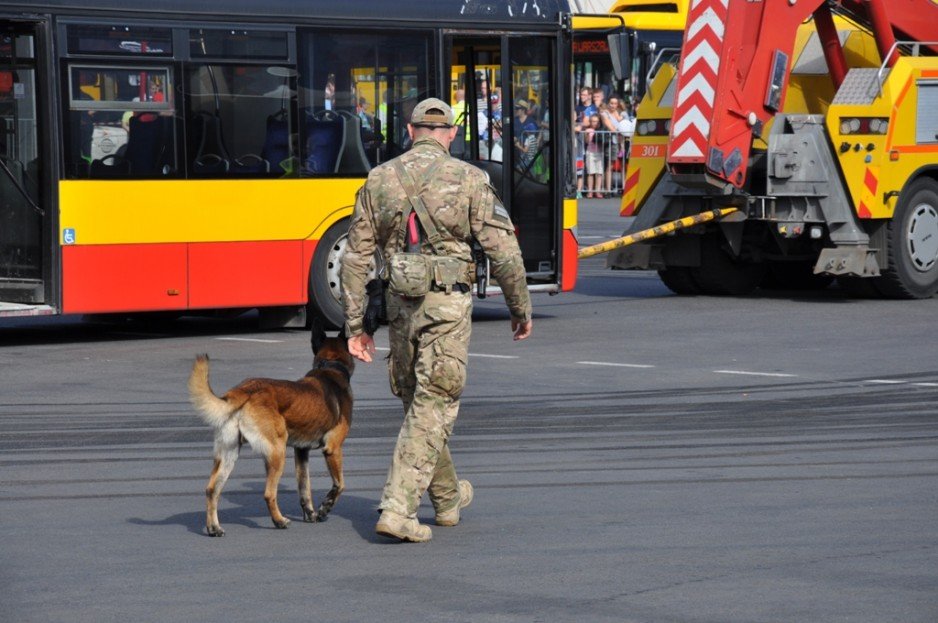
x,y
19,187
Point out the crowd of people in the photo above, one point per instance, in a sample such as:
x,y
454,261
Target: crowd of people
x,y
603,127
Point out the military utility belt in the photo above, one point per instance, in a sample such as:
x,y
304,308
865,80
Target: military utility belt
x,y
415,274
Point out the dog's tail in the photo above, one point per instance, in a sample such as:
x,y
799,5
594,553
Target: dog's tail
x,y
210,407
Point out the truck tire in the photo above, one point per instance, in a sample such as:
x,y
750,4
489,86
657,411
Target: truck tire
x,y
719,273
325,295
913,244
679,280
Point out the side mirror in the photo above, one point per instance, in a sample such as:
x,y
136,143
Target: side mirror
x,y
620,54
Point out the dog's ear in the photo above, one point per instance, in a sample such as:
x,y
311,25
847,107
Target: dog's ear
x,y
317,335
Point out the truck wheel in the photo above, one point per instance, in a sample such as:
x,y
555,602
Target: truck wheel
x,y
719,273
913,244
679,280
325,291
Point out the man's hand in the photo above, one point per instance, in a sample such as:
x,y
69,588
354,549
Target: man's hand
x,y
522,330
362,347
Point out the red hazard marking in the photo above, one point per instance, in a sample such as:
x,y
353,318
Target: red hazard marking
x,y
697,82
631,182
871,182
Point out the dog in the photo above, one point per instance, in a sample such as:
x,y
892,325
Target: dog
x,y
271,414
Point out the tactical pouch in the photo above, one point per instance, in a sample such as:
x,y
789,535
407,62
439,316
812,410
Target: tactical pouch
x,y
410,274
448,271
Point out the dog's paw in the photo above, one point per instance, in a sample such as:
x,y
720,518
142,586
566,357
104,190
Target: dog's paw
x,y
322,515
282,525
214,531
310,516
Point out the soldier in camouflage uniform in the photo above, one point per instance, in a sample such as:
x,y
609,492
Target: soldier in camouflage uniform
x,y
429,335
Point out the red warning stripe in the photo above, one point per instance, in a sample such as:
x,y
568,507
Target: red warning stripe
x,y
631,182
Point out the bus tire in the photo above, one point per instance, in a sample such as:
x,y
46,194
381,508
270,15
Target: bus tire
x,y
324,293
679,280
721,274
913,244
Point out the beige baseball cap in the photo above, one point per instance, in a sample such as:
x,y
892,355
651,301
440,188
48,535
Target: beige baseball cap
x,y
432,112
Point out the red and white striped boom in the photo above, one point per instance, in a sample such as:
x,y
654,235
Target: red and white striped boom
x,y
734,71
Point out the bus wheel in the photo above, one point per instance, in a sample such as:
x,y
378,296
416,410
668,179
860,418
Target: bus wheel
x,y
679,280
325,291
719,273
913,244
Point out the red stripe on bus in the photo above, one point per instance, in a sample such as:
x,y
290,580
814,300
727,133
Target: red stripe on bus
x,y
863,211
568,270
628,210
124,278
246,274
180,276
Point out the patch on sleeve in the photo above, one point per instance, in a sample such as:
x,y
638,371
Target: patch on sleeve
x,y
500,212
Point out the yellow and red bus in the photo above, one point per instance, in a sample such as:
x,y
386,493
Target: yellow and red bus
x,y
618,48
161,157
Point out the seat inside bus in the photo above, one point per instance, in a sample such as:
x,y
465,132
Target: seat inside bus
x,y
325,139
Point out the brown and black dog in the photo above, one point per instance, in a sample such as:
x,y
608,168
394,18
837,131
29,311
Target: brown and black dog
x,y
314,412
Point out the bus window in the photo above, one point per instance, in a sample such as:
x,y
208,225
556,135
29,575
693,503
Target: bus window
x,y
236,43
119,40
357,95
120,122
531,153
239,120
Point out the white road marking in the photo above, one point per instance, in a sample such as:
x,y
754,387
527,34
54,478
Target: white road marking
x,y
748,373
617,365
926,384
248,339
885,381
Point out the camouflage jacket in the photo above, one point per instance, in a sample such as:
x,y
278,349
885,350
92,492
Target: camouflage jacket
x,y
462,204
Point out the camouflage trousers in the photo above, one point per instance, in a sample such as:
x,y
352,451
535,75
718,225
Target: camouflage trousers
x,y
429,339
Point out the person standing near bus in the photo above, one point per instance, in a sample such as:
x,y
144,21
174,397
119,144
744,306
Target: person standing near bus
x,y
429,334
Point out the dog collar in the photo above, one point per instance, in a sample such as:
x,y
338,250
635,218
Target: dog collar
x,y
332,364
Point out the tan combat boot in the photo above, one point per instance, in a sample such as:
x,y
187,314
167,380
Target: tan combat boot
x,y
403,528
451,517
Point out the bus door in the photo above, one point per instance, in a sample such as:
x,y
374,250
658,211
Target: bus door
x,y
23,200
502,90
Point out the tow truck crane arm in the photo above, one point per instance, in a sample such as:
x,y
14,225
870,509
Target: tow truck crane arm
x,y
735,67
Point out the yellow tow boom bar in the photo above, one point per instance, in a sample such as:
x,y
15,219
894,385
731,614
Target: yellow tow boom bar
x,y
654,232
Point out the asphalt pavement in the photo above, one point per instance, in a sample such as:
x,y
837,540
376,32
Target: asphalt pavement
x,y
643,457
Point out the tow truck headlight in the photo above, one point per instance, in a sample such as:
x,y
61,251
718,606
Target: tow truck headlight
x,y
879,126
653,127
864,125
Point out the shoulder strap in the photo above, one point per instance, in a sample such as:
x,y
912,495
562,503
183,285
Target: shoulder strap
x,y
416,203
